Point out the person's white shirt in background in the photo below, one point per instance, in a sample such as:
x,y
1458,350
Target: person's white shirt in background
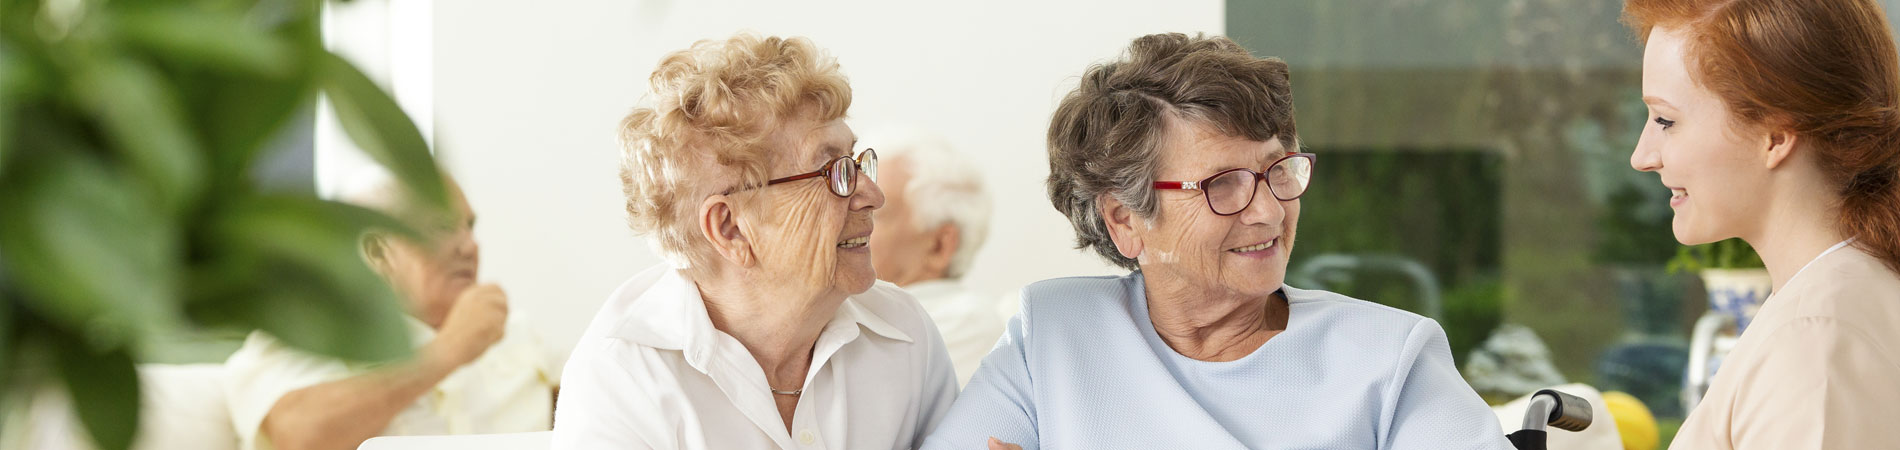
x,y
509,389
651,371
968,321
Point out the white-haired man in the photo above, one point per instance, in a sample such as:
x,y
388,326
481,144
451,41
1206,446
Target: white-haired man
x,y
475,371
935,216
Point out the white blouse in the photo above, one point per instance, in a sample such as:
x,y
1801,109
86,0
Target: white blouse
x,y
652,372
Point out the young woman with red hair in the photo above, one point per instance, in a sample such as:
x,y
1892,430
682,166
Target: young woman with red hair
x,y
1778,121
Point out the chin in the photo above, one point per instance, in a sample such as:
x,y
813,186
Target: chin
x,y
854,281
1687,234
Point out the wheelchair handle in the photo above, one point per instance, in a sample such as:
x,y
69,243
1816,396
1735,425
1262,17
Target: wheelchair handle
x,y
1557,409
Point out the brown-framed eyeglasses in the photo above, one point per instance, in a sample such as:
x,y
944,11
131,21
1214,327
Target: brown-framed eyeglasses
x,y
1231,190
840,174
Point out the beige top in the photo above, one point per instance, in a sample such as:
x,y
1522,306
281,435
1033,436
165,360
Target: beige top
x,y
1818,368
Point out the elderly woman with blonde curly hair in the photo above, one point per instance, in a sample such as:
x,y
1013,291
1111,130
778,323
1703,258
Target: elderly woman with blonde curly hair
x,y
767,327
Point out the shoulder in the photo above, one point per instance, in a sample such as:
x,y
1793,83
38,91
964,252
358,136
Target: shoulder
x,y
1850,287
1338,310
1080,298
1366,331
263,358
1057,290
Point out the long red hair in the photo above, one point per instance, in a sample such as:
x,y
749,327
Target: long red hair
x,y
1825,69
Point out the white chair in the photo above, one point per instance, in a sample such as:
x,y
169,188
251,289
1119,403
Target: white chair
x,y
505,441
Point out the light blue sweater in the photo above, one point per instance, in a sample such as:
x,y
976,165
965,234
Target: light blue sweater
x,y
1081,367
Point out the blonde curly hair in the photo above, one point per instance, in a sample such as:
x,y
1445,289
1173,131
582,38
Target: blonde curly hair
x,y
712,107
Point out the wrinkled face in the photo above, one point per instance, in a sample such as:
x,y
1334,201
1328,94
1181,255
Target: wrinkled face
x,y
430,275
1245,253
1712,167
800,231
899,247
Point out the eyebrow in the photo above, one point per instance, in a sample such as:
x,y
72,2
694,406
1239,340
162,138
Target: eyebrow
x,y
1654,100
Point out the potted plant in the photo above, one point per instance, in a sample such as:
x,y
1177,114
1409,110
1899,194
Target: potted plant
x,y
1732,274
128,132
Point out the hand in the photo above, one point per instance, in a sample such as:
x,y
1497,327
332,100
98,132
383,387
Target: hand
x,y
996,444
477,321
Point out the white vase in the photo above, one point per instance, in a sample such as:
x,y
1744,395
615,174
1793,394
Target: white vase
x,y
1737,293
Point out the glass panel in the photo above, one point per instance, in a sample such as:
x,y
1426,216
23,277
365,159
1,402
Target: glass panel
x,y
1477,172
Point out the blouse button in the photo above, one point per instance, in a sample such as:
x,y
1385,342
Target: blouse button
x,y
806,437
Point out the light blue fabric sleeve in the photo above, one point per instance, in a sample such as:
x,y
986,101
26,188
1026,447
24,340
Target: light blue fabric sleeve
x,y
998,402
1434,407
939,385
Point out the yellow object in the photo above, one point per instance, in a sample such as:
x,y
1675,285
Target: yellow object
x,y
1633,421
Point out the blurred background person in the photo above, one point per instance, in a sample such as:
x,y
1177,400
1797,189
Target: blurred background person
x,y
476,369
766,327
935,217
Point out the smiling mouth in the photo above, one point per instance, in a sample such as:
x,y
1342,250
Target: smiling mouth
x,y
1256,247
855,242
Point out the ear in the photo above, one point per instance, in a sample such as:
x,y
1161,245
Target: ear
x,y
720,227
1121,225
943,248
375,249
1781,146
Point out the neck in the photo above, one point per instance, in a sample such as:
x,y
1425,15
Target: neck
x,y
1794,233
1213,326
777,325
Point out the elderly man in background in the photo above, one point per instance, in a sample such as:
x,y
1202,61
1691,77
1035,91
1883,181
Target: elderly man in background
x,y
474,370
935,216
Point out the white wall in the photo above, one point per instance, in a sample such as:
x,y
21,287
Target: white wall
x,y
527,95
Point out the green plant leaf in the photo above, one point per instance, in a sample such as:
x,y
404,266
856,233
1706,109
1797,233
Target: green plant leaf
x,y
104,386
377,124
223,41
85,249
301,279
11,74
239,115
6,333
147,127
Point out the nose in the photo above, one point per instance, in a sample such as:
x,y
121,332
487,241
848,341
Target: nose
x,y
868,196
1265,209
1646,158
463,245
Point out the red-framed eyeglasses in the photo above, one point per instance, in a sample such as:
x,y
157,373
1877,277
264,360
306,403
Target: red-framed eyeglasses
x,y
1232,190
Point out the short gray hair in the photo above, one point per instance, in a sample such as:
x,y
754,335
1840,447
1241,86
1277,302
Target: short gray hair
x,y
943,189
1104,135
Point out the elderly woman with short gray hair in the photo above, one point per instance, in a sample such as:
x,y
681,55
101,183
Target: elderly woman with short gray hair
x,y
1179,162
